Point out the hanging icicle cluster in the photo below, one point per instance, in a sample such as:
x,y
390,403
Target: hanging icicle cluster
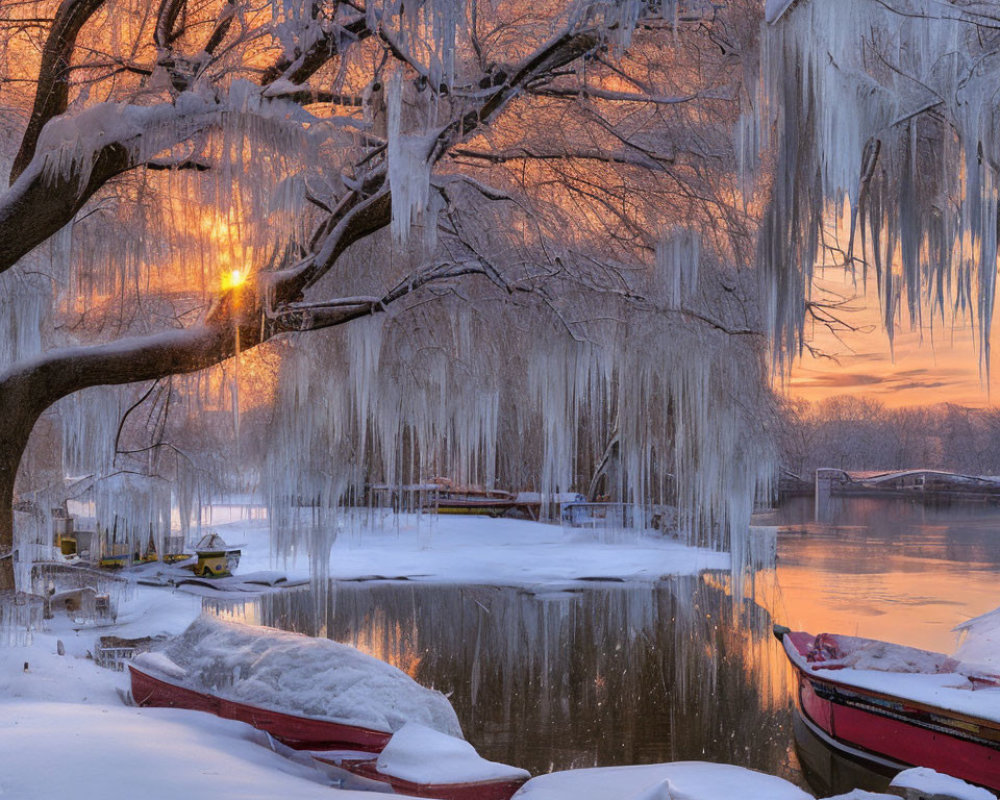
x,y
891,110
660,401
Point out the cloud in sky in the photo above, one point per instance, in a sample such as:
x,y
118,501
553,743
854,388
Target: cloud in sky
x,y
939,365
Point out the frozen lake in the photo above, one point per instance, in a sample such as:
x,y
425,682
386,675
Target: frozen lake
x,y
603,673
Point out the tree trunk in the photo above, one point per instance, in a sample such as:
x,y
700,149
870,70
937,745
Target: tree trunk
x,y
18,414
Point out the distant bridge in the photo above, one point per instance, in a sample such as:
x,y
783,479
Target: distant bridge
x,y
928,485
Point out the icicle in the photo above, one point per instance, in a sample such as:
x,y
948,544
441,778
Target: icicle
x,y
409,160
676,276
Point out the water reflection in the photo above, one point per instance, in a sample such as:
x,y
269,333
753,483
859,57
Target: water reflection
x,y
600,675
885,569
831,772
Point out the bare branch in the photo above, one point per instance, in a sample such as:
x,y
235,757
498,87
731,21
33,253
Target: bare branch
x,y
585,92
638,159
166,20
52,94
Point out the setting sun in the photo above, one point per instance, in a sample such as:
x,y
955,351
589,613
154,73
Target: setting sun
x,y
233,279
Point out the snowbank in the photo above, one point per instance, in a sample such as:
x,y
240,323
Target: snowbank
x,y
64,732
299,675
54,751
980,642
467,549
682,780
927,781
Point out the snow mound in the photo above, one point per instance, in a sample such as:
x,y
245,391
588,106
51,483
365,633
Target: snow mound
x,y
416,753
980,642
681,780
301,675
158,662
934,783
54,751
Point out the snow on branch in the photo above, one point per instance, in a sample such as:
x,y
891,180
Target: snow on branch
x,y
78,153
310,54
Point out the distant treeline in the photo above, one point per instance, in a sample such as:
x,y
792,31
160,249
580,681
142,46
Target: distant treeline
x,y
862,434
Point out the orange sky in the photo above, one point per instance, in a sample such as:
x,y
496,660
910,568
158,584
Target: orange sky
x,y
937,365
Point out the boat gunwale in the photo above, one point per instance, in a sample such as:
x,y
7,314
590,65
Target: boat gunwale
x,y
806,669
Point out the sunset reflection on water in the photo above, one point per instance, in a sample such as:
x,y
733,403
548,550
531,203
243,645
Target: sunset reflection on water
x,y
884,569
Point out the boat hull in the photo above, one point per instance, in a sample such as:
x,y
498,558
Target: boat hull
x,y
891,729
491,508
300,733
500,789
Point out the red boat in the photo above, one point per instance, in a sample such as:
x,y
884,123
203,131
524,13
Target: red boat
x,y
300,733
898,706
344,750
365,767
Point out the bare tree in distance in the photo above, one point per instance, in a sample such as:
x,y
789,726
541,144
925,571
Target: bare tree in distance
x,y
861,433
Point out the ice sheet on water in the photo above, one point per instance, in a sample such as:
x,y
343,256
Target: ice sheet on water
x,y
306,676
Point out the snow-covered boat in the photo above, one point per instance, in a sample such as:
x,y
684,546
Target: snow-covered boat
x,y
421,762
308,693
298,732
897,706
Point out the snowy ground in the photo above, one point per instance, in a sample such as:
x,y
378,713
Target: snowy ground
x,y
467,549
65,731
